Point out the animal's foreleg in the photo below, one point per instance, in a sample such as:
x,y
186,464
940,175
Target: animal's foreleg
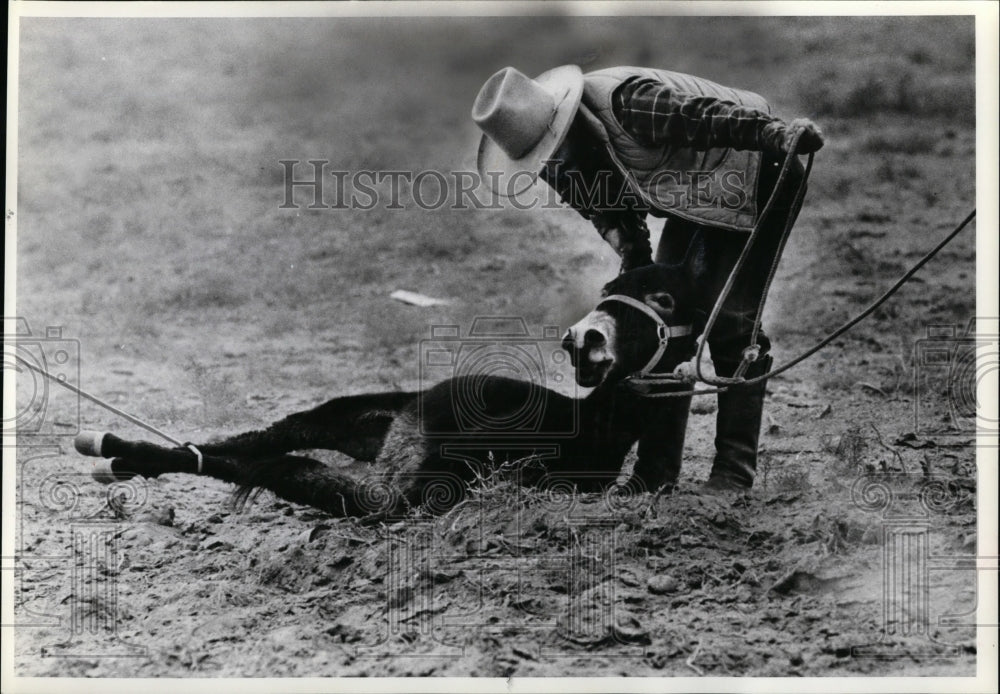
x,y
310,482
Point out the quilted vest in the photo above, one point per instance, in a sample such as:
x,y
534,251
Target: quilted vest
x,y
716,187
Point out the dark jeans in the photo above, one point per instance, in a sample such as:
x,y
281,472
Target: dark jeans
x,y
715,251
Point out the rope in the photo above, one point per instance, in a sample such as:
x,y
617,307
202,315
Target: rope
x,y
827,340
871,308
111,408
750,354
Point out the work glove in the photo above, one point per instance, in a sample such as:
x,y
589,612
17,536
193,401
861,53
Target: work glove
x,y
628,235
811,139
777,137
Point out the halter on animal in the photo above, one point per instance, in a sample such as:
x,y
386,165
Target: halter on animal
x,y
663,333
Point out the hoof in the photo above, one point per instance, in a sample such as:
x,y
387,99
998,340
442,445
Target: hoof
x,y
103,473
89,443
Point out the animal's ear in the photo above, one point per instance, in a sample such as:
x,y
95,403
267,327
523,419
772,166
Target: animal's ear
x,y
662,302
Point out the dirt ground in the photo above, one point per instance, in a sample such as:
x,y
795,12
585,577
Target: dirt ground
x,y
150,229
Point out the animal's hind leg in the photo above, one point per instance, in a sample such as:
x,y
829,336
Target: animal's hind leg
x,y
294,478
355,425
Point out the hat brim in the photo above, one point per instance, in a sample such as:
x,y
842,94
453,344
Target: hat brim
x,y
509,177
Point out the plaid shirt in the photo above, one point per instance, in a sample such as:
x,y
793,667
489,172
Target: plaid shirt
x,y
654,115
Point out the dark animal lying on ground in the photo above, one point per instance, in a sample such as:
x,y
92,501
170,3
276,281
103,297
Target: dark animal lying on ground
x,y
422,443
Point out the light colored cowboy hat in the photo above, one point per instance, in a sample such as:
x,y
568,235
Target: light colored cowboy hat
x,y
524,121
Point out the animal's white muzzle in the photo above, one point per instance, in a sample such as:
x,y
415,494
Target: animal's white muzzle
x,y
591,346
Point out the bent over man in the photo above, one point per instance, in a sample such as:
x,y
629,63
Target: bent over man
x,y
626,142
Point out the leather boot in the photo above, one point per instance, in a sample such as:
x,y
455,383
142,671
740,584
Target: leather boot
x,y
661,446
737,431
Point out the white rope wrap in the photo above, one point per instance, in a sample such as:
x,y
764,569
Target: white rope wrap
x,y
194,449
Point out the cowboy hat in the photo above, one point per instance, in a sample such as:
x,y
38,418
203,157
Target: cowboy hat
x,y
523,121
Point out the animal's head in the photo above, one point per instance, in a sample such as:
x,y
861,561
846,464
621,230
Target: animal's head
x,y
622,334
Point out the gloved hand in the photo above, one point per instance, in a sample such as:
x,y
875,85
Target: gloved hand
x,y
628,235
776,137
810,140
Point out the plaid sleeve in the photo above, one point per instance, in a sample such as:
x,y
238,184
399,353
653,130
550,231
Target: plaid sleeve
x,y
655,114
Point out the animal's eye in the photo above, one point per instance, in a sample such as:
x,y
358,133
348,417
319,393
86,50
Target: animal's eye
x,y
662,301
